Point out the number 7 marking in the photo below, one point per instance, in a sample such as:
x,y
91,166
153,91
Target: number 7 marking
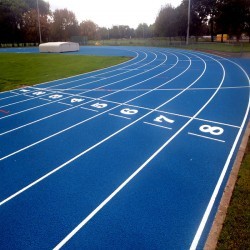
x,y
162,118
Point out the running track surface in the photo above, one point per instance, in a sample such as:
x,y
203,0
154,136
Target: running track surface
x,y
132,156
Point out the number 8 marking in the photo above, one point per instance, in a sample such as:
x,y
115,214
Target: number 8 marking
x,y
212,130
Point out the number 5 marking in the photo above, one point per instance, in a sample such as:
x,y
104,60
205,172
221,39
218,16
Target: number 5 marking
x,y
162,118
211,129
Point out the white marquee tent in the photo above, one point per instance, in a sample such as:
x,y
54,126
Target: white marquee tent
x,y
58,47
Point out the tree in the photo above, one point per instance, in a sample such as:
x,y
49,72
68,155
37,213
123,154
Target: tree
x,y
11,20
19,16
143,31
64,25
30,22
165,22
206,10
89,29
232,17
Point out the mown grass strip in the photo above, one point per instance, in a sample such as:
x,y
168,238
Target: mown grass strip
x,y
236,228
18,70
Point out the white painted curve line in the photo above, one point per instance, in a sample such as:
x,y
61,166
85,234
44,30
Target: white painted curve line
x,y
76,157
25,110
91,77
95,81
62,131
122,80
89,73
44,118
223,173
112,195
50,115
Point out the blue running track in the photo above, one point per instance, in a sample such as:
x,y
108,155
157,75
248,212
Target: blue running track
x,y
134,156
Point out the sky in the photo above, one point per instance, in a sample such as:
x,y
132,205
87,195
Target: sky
x,y
106,13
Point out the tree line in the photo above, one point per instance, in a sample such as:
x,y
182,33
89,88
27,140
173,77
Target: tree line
x,y
19,22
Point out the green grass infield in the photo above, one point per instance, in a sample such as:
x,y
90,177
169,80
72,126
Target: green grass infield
x,y
18,70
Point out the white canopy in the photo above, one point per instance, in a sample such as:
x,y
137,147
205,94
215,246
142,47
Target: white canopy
x,y
58,47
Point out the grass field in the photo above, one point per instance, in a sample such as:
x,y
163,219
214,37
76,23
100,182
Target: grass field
x,y
28,69
236,228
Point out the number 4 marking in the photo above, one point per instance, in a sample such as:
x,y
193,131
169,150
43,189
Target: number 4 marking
x,y
162,118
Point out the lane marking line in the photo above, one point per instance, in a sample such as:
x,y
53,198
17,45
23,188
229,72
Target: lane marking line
x,y
149,123
66,104
223,173
120,116
109,71
90,109
207,137
116,191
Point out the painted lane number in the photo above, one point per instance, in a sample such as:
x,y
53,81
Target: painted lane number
x,y
213,130
162,118
128,111
99,105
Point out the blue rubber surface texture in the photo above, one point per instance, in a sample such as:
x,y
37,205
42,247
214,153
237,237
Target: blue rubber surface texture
x,y
132,156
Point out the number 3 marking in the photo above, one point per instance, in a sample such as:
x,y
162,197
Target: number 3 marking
x,y
212,130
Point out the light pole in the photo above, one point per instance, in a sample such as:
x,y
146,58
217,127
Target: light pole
x,y
39,25
188,24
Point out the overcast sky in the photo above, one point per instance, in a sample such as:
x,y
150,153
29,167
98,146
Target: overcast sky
x,y
106,13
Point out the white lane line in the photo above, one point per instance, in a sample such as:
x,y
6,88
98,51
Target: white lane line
x,y
46,138
152,124
162,111
207,137
91,77
48,116
85,75
25,110
87,150
116,191
47,100
90,109
67,104
15,95
123,79
223,173
44,118
120,116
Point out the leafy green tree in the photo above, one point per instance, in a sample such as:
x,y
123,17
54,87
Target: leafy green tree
x,y
144,31
14,19
232,17
89,28
207,11
64,25
165,22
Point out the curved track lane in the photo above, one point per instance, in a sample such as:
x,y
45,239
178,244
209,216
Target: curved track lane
x,y
131,156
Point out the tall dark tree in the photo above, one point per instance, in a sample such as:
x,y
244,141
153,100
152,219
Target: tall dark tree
x,y
64,25
232,17
14,19
207,11
89,29
165,22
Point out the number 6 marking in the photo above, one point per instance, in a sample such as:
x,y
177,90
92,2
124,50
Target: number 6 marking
x,y
128,111
211,129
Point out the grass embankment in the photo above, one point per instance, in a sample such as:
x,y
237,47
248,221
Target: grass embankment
x,y
18,70
236,228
